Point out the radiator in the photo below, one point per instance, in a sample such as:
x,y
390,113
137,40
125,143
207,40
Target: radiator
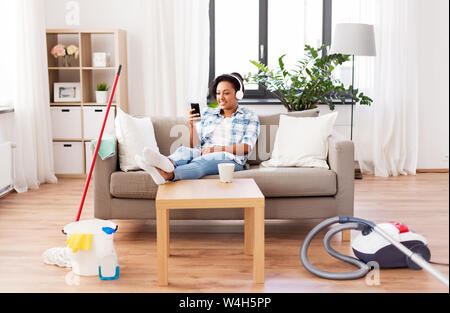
x,y
6,167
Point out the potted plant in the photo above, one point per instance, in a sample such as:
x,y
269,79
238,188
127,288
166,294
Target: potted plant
x,y
310,83
101,93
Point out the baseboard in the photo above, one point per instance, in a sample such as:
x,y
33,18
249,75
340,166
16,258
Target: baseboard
x,y
70,175
432,170
426,170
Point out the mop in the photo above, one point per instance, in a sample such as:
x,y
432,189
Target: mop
x,y
59,256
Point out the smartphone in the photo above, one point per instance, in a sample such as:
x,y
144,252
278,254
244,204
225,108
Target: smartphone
x,y
196,108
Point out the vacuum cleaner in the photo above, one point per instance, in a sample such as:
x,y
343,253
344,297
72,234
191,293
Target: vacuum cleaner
x,y
390,245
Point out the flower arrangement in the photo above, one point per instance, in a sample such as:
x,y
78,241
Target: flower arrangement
x,y
61,50
58,51
73,50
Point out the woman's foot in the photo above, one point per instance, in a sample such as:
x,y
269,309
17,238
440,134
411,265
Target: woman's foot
x,y
151,170
156,159
165,175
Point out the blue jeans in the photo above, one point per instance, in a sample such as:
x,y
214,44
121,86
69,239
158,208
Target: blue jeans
x,y
189,164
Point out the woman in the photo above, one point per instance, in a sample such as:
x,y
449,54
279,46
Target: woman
x,y
227,134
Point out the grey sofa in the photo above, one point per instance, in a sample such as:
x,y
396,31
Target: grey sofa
x,y
291,193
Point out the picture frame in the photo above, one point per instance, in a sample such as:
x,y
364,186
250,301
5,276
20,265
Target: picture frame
x,y
101,59
67,92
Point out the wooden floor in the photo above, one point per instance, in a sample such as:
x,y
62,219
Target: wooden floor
x,y
209,257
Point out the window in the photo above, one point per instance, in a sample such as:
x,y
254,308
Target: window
x,y
236,35
263,30
291,25
7,18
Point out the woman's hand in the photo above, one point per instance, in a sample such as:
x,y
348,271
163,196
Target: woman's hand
x,y
207,150
192,117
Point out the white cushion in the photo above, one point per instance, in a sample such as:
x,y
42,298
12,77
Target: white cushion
x,y
133,134
302,141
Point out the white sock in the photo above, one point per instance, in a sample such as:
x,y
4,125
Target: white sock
x,y
156,159
152,171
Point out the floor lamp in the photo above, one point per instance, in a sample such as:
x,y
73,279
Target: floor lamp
x,y
355,40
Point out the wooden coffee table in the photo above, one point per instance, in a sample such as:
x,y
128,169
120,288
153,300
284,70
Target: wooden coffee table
x,y
210,194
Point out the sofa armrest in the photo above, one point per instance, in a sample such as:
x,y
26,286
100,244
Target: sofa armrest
x,y
341,160
102,180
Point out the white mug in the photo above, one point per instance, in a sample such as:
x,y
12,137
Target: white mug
x,y
226,172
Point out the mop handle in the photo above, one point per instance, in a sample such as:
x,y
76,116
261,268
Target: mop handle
x,y
97,146
416,258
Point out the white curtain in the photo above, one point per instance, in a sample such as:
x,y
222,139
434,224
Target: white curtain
x,y
30,97
386,133
177,53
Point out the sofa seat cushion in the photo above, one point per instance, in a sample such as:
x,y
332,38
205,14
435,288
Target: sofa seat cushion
x,y
290,181
133,185
273,182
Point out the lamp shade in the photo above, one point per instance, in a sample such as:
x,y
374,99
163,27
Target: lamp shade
x,y
354,39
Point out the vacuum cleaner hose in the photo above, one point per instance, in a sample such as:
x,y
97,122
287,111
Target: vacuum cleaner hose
x,y
363,267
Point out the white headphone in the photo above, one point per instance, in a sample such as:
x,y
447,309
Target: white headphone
x,y
239,93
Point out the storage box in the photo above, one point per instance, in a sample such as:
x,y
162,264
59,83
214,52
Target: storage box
x,y
66,122
93,120
68,157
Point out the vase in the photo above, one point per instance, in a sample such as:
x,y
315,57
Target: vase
x,y
101,97
66,61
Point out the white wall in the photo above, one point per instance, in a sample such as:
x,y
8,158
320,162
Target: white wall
x,y
434,102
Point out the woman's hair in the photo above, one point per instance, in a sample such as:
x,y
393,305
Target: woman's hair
x,y
228,78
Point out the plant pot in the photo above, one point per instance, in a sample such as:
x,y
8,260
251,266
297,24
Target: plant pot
x,y
302,107
101,97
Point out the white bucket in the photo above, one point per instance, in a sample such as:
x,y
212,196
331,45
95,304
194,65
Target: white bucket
x,y
86,263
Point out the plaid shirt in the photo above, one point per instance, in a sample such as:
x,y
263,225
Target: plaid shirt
x,y
244,129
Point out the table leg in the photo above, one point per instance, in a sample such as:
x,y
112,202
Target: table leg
x,y
248,230
168,232
162,244
258,249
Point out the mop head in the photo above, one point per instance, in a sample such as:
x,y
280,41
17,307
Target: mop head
x,y
57,256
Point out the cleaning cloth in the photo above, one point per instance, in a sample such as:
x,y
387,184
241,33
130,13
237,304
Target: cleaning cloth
x,y
107,146
79,241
